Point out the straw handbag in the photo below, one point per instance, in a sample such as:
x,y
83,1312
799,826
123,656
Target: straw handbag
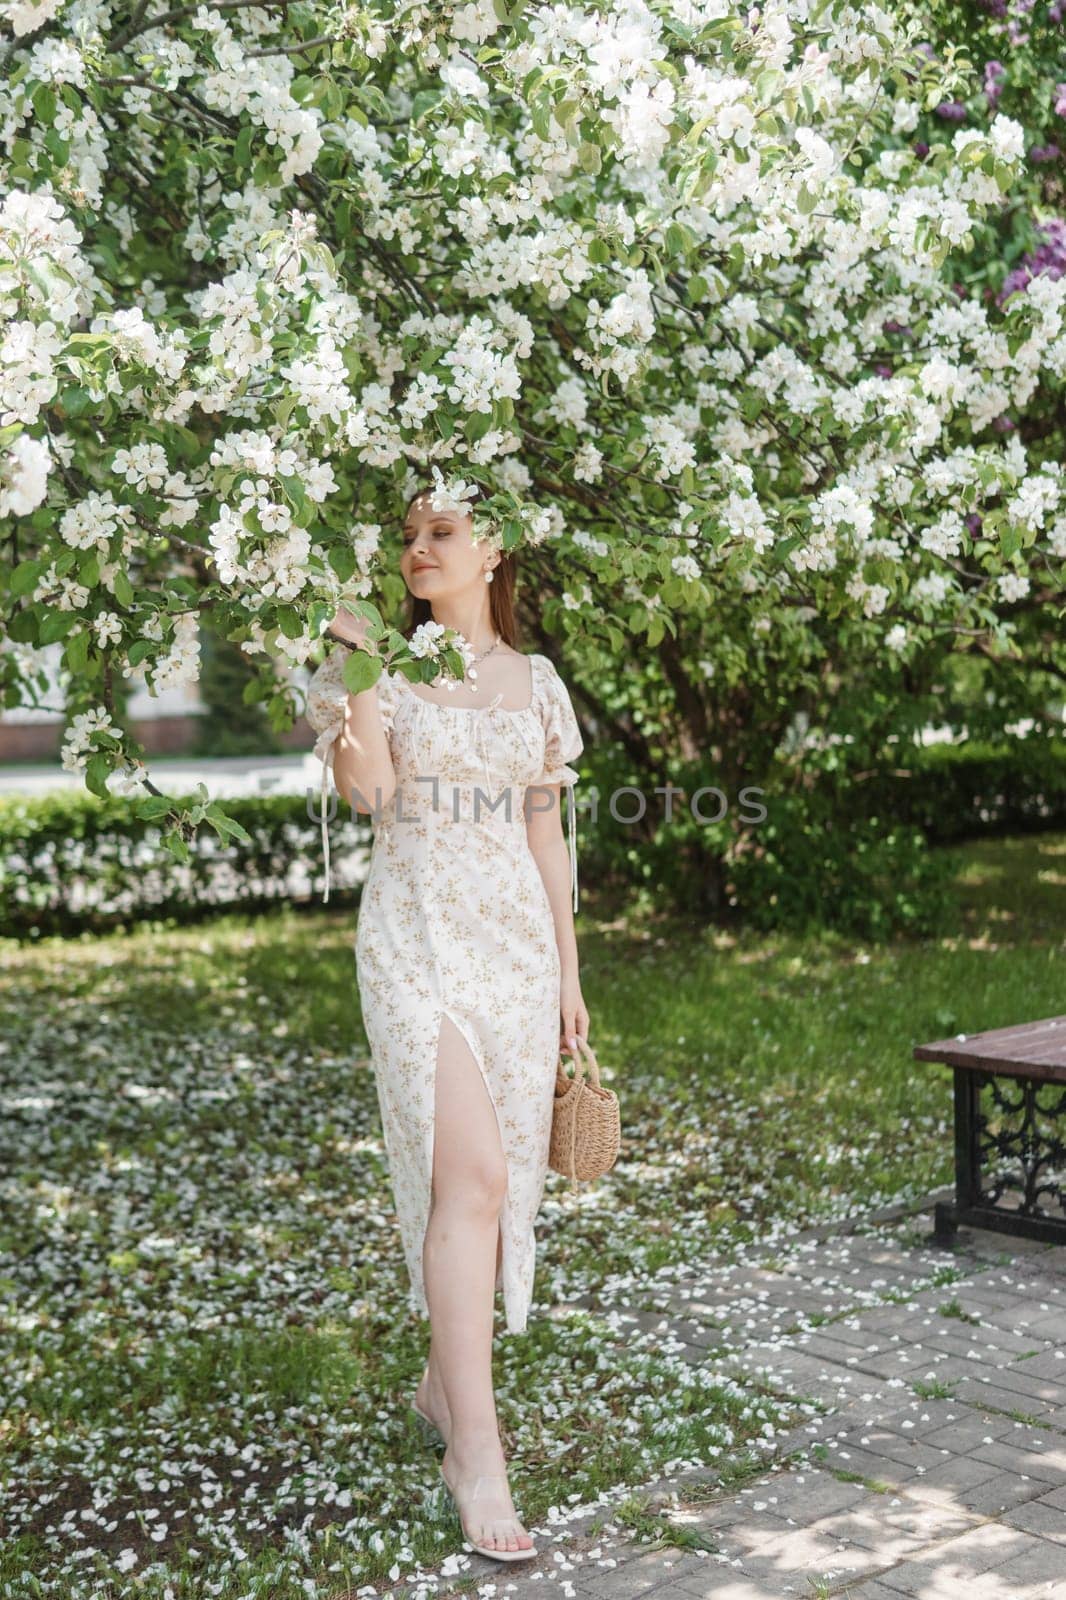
x,y
586,1127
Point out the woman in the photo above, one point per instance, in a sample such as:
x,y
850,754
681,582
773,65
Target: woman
x,y
467,969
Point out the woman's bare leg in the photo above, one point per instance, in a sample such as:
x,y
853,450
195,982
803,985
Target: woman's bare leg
x,y
469,1185
430,1392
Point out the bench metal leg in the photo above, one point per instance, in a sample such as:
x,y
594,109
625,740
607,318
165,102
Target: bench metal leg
x,y
945,1224
1028,1150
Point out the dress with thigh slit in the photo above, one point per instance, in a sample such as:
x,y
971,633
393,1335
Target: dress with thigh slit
x,y
454,920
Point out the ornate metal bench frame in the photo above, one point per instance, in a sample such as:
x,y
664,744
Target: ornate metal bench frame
x,y
1015,1077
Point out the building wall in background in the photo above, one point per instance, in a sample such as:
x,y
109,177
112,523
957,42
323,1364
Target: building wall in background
x,y
165,724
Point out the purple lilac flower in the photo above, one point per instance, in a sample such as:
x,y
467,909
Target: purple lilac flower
x,y
1049,257
974,521
1003,425
1016,279
1059,107
1044,152
951,110
1051,254
920,148
994,71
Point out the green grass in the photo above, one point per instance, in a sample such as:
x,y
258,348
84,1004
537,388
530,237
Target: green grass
x,y
203,1317
952,1308
875,1485
935,1389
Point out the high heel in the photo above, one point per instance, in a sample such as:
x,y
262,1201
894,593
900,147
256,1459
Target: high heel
x,y
484,1549
427,1419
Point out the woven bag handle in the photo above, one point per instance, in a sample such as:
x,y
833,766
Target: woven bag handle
x,y
578,1077
579,1065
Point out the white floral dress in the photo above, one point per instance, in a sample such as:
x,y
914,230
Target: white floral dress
x,y
454,919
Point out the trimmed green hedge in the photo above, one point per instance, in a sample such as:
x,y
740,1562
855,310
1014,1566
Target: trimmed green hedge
x,y
960,792
73,862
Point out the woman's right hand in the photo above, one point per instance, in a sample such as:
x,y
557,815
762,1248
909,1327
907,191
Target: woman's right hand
x,y
344,626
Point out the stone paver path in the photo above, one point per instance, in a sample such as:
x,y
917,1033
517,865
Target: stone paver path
x,y
933,1463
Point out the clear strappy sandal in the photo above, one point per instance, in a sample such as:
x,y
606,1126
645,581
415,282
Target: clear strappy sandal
x,y
428,1420
484,1549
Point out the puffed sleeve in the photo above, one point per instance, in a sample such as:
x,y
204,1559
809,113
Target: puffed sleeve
x,y
327,696
562,743
562,737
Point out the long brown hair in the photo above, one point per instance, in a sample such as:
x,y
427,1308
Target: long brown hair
x,y
501,589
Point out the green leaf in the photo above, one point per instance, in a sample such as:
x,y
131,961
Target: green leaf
x,y
76,651
226,828
540,115
22,627
289,622
342,560
368,610
477,425
176,845
24,577
1010,540
56,625
97,771
75,401
122,589
295,490
424,101
154,807
44,103
283,409
138,650
361,671
57,145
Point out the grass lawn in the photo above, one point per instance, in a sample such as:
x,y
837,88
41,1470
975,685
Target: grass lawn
x,y
204,1333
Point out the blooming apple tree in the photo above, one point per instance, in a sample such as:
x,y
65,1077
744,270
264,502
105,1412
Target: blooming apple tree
x,y
670,279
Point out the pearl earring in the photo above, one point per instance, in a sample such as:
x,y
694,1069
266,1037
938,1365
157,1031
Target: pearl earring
x,y
488,576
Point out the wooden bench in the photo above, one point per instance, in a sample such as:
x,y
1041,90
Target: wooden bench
x,y
1010,1127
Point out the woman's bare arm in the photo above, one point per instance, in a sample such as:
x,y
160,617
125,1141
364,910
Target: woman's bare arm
x,y
547,844
363,773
